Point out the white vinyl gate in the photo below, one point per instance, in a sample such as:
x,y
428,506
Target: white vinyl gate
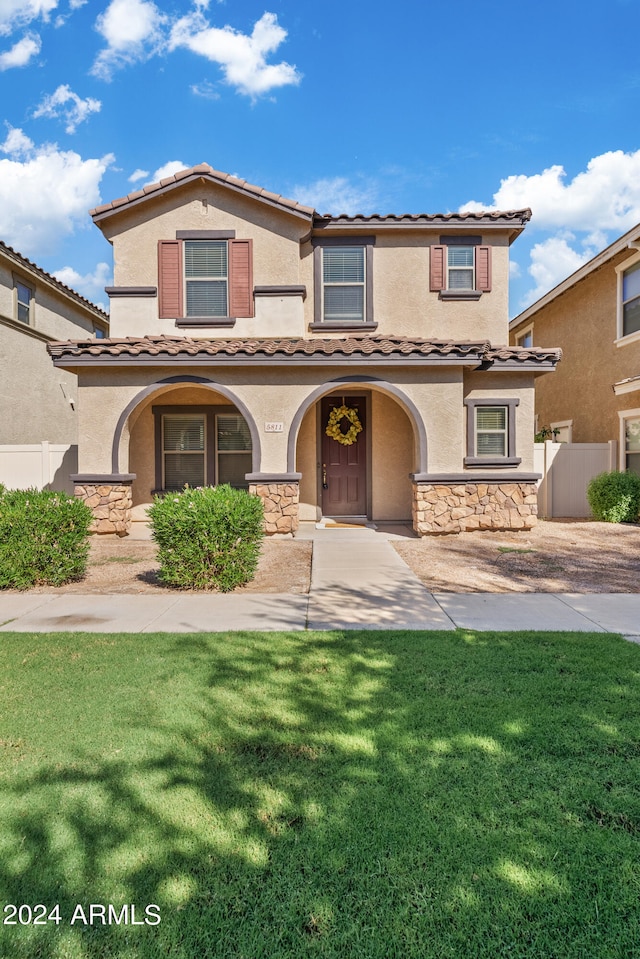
x,y
566,471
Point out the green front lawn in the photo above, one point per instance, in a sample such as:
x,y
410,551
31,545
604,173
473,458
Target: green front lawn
x,y
360,794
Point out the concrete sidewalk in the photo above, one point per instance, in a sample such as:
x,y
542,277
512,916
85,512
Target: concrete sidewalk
x,y
358,581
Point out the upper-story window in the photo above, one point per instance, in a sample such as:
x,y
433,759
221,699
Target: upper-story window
x,y
343,284
24,299
630,300
205,278
460,267
343,288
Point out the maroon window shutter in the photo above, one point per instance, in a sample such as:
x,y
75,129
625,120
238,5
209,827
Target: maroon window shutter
x,y
483,269
240,277
437,273
170,279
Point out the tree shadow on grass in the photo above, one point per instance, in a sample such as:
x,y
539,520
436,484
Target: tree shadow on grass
x,y
344,795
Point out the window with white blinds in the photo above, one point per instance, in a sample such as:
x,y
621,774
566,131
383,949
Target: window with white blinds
x,y
206,270
343,283
491,431
233,445
460,261
183,450
202,447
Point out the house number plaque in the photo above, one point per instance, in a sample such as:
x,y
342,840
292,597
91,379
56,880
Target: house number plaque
x,y
273,427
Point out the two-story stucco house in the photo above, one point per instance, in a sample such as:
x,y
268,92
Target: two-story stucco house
x,y
242,324
38,402
594,316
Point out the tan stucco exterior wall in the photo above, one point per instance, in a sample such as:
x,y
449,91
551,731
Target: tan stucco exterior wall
x,y
509,386
279,258
583,322
271,394
392,460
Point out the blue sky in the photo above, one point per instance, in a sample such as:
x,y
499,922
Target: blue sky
x,y
352,107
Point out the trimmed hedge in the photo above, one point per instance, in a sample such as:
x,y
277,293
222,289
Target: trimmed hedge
x,y
44,538
615,497
208,538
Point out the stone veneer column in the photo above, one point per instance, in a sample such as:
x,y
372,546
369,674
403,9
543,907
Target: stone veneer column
x,y
281,501
459,507
110,501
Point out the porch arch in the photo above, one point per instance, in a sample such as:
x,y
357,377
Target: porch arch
x,y
256,454
407,404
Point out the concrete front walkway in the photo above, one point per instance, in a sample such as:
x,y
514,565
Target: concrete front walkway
x,y
358,581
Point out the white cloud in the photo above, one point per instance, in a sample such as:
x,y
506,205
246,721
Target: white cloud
x,y
133,31
45,193
337,195
605,196
138,175
90,285
168,169
66,104
18,13
242,57
514,270
21,52
206,90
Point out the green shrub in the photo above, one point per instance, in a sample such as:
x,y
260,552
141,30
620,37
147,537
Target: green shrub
x,y
615,497
43,538
208,537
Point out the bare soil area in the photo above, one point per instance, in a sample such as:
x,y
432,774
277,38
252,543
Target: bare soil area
x,y
129,566
556,556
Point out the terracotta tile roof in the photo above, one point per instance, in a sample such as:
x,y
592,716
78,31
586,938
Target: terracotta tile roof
x,y
523,354
202,169
431,219
34,268
183,348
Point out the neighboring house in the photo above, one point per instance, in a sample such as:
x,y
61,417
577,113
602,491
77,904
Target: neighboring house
x,y
37,402
594,316
240,321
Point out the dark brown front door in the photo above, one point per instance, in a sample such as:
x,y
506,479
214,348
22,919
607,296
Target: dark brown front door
x,y
344,468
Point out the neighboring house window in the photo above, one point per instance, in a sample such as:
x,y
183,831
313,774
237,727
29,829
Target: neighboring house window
x,y
460,267
631,300
632,444
201,446
24,299
525,339
343,287
98,332
205,278
491,428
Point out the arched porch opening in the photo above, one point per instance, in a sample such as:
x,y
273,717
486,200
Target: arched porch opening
x,y
371,478
185,430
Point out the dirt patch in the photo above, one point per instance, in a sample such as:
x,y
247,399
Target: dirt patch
x,y
556,556
130,566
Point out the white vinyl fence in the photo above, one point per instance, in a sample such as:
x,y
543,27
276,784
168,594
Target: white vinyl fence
x,y
40,465
566,471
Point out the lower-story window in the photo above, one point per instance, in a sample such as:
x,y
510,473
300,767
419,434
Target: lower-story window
x,y
491,432
201,446
632,444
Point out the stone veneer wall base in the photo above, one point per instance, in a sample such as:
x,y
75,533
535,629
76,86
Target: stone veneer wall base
x,y
281,505
458,508
110,504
